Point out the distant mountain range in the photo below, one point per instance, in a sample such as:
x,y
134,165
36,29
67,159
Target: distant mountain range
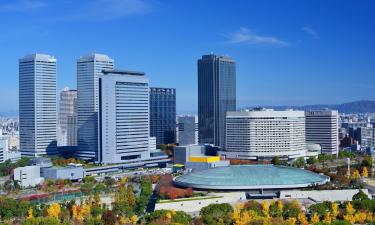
x,y
363,106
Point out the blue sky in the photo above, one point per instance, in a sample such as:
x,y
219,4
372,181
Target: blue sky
x,y
287,52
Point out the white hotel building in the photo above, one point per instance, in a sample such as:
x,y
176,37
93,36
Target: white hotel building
x,y
124,129
265,134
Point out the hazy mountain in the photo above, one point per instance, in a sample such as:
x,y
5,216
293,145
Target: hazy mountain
x,y
363,106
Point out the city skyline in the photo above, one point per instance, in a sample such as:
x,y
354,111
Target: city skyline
x,y
284,51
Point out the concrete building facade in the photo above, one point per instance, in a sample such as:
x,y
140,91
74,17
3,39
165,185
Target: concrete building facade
x,y
322,128
124,117
264,133
89,69
37,105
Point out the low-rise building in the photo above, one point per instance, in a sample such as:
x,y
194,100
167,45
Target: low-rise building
x,y
71,172
28,176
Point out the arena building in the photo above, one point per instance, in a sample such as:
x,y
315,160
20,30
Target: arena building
x,y
251,177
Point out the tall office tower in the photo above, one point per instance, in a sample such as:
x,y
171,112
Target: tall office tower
x,y
187,130
68,107
163,115
89,69
68,101
37,105
264,133
71,131
216,97
123,117
322,128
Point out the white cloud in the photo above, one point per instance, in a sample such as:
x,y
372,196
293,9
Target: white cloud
x,y
22,6
310,31
248,37
102,10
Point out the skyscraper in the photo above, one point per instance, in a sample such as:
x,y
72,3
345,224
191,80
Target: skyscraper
x,y
187,130
68,108
68,101
37,105
322,128
89,69
163,115
216,96
123,117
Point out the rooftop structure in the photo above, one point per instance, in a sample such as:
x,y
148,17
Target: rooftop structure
x,y
251,177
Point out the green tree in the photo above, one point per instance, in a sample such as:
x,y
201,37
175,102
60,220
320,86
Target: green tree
x,y
276,160
360,196
312,160
299,162
367,161
217,213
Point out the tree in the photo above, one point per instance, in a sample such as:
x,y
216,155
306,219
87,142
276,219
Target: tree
x,y
134,219
299,162
54,210
312,160
265,208
364,172
360,196
130,196
302,218
276,160
349,213
215,213
109,218
327,218
30,213
96,199
367,161
335,210
355,175
314,218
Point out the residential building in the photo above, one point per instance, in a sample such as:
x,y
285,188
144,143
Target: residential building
x,y
37,105
163,115
89,69
322,128
187,130
216,97
123,117
265,133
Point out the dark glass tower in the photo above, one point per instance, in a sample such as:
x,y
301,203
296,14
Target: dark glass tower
x,y
216,96
163,115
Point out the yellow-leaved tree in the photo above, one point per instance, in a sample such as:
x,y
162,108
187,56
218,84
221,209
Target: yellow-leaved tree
x,y
314,218
291,221
134,219
349,213
30,213
355,175
327,218
54,210
302,218
280,206
265,208
364,172
335,210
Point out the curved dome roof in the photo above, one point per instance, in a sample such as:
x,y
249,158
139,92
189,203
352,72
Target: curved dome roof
x,y
242,177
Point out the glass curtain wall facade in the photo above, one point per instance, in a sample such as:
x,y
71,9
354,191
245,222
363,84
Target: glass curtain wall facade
x,y
216,97
163,115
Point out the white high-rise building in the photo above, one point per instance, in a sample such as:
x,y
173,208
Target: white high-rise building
x,y
124,117
322,127
89,69
265,133
68,108
37,105
187,130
